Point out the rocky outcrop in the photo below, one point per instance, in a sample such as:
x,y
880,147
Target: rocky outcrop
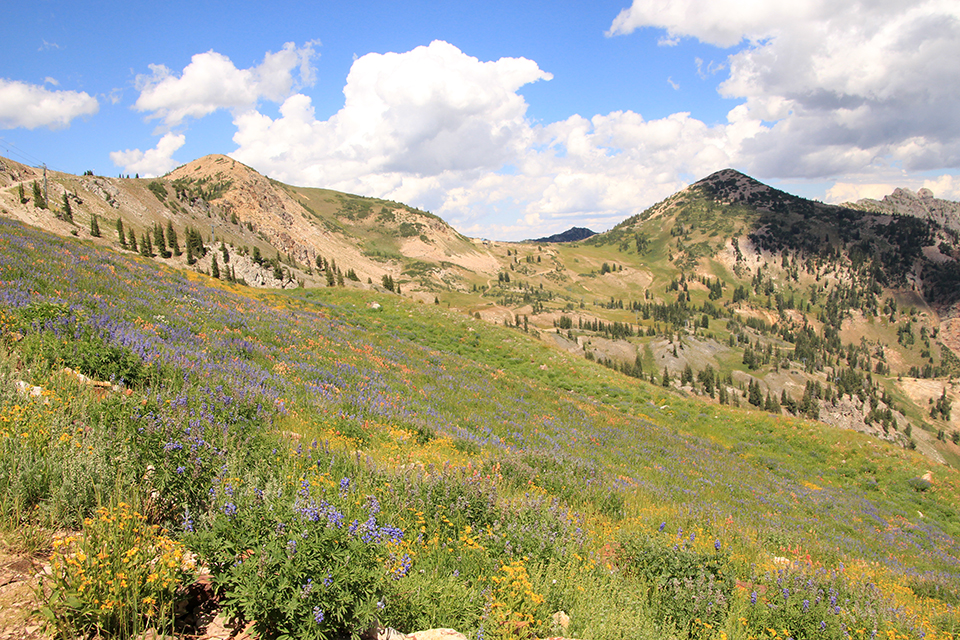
x,y
921,204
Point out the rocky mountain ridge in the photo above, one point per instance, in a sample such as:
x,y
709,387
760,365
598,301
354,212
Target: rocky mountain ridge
x,y
921,204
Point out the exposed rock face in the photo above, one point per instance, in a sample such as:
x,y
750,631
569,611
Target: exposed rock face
x,y
921,204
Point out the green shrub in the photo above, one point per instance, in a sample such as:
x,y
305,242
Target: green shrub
x,y
300,566
158,190
87,354
57,337
810,604
687,589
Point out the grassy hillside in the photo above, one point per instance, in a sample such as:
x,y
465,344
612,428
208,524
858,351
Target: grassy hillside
x,y
336,455
728,290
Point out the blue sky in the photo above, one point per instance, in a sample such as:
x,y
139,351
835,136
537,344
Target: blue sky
x,y
510,120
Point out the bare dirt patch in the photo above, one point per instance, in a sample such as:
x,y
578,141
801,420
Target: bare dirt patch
x,y
693,351
18,597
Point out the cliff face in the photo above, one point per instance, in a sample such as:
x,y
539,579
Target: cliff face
x,y
921,204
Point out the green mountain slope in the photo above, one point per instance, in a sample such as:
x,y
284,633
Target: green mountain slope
x,y
337,454
729,290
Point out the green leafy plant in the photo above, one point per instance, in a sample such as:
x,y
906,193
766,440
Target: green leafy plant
x,y
296,565
687,589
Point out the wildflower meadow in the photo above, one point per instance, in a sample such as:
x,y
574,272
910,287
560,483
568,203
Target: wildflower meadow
x,y
336,464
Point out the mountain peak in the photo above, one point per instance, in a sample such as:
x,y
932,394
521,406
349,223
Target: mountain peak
x,y
730,186
723,175
573,234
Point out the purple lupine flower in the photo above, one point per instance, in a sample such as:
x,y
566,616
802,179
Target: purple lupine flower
x,y
187,522
306,589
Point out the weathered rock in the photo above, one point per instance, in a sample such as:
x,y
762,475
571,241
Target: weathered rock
x,y
223,629
437,634
561,620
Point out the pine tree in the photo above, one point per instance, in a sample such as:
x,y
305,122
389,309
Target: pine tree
x,y
190,259
159,241
22,194
121,234
133,241
774,404
68,211
94,227
172,241
942,407
194,240
214,267
146,248
331,279
226,254
38,200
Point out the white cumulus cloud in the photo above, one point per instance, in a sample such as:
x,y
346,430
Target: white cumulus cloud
x,y
211,81
31,106
152,162
946,187
843,84
863,94
445,131
852,191
430,110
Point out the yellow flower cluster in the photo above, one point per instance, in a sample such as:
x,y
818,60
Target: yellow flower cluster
x,y
516,608
118,574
